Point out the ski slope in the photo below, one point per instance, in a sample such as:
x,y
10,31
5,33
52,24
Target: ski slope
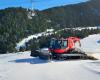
x,y
20,66
90,43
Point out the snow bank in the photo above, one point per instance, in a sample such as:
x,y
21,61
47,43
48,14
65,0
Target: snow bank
x,y
90,43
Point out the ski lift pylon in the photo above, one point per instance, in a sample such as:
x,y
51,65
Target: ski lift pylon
x,y
31,12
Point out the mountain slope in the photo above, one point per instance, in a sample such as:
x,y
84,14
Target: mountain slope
x,y
15,24
82,14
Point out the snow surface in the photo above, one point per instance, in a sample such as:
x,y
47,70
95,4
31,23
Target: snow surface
x,y
90,43
21,66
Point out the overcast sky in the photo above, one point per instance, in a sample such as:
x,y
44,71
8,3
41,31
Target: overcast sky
x,y
38,4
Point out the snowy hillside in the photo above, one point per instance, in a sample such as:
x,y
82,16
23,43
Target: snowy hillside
x,y
46,33
25,40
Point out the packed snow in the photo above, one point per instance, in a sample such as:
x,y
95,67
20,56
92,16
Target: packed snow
x,y
20,66
90,43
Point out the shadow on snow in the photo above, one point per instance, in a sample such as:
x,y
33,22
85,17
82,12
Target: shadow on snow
x,y
37,60
30,60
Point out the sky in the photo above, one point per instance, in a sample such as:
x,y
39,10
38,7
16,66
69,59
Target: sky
x,y
37,4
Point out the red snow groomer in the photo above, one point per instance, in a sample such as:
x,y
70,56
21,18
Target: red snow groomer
x,y
60,49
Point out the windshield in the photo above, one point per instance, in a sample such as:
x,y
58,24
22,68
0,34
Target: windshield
x,y
58,44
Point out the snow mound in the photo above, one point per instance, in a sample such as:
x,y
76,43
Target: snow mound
x,y
89,44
